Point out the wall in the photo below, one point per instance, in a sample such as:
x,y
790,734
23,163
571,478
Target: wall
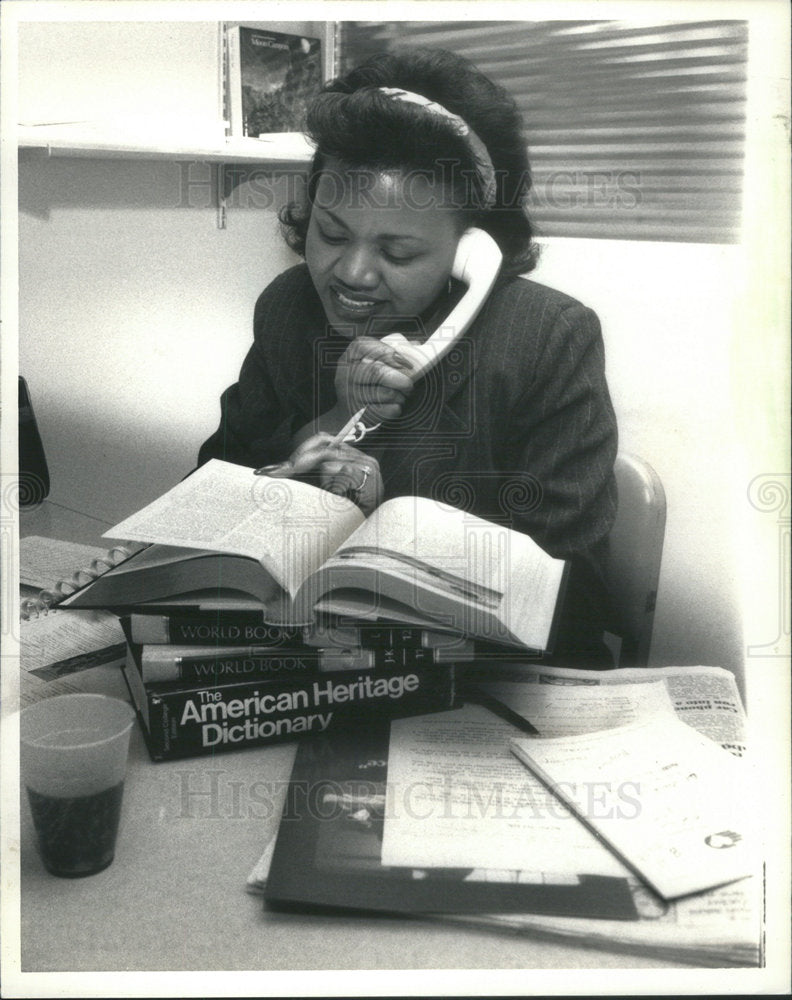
x,y
134,314
668,314
134,308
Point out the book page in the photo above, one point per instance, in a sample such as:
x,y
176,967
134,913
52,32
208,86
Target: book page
x,y
457,798
496,571
290,527
689,825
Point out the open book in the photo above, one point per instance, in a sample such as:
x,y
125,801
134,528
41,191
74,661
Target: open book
x,y
226,537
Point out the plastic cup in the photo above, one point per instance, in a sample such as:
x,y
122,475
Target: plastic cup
x,y
73,753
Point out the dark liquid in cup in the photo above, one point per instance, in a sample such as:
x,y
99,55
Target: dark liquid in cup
x,y
77,836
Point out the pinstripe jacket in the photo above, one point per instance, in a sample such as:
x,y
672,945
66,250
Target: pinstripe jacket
x,y
515,424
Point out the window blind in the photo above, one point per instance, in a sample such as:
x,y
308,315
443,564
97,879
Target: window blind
x,y
634,131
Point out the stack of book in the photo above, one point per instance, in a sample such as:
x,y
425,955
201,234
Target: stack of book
x,y
264,609
204,682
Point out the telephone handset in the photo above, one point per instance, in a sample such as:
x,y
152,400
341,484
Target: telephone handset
x,y
476,263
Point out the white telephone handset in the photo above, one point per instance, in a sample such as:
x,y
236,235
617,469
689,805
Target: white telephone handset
x,y
477,262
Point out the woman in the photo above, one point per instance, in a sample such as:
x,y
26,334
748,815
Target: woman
x,y
515,423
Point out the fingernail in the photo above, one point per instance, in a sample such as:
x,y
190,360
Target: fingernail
x,y
269,470
338,490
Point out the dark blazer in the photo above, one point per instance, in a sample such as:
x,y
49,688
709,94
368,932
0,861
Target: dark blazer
x,y
515,424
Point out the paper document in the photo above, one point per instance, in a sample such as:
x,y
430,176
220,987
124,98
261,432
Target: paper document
x,y
59,644
457,798
562,710
43,562
719,928
706,698
668,800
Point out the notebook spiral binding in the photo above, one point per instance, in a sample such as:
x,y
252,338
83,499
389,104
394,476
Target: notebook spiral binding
x,y
46,600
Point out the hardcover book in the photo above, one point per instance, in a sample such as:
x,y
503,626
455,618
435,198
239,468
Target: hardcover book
x,y
217,664
295,548
164,664
187,719
272,77
246,628
210,628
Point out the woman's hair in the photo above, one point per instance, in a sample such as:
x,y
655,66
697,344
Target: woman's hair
x,y
353,121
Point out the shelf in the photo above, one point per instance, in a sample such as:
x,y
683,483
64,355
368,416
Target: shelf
x,y
236,159
286,149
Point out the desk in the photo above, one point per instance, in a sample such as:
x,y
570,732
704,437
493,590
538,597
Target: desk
x,y
174,898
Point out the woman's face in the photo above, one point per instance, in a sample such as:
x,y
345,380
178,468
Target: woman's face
x,y
379,247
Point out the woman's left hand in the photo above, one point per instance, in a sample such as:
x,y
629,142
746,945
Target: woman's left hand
x,y
342,470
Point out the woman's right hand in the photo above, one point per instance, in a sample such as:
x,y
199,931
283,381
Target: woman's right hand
x,y
373,374
342,469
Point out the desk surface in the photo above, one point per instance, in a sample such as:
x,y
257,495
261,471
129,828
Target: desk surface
x,y
174,898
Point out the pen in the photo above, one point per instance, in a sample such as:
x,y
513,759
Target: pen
x,y
337,440
348,426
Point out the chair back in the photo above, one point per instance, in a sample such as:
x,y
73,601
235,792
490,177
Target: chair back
x,y
636,548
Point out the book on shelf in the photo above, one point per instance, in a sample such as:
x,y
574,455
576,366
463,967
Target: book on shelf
x,y
190,718
272,78
459,852
297,549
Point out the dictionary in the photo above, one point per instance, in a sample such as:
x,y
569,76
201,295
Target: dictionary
x,y
191,719
296,549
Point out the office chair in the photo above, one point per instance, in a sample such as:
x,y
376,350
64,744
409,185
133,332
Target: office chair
x,y
34,480
636,548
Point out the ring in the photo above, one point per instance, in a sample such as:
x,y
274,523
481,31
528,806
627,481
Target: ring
x,y
354,492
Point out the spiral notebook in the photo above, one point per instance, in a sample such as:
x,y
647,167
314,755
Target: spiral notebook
x,y
57,644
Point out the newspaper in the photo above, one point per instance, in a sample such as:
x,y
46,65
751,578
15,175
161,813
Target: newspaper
x,y
719,928
722,927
